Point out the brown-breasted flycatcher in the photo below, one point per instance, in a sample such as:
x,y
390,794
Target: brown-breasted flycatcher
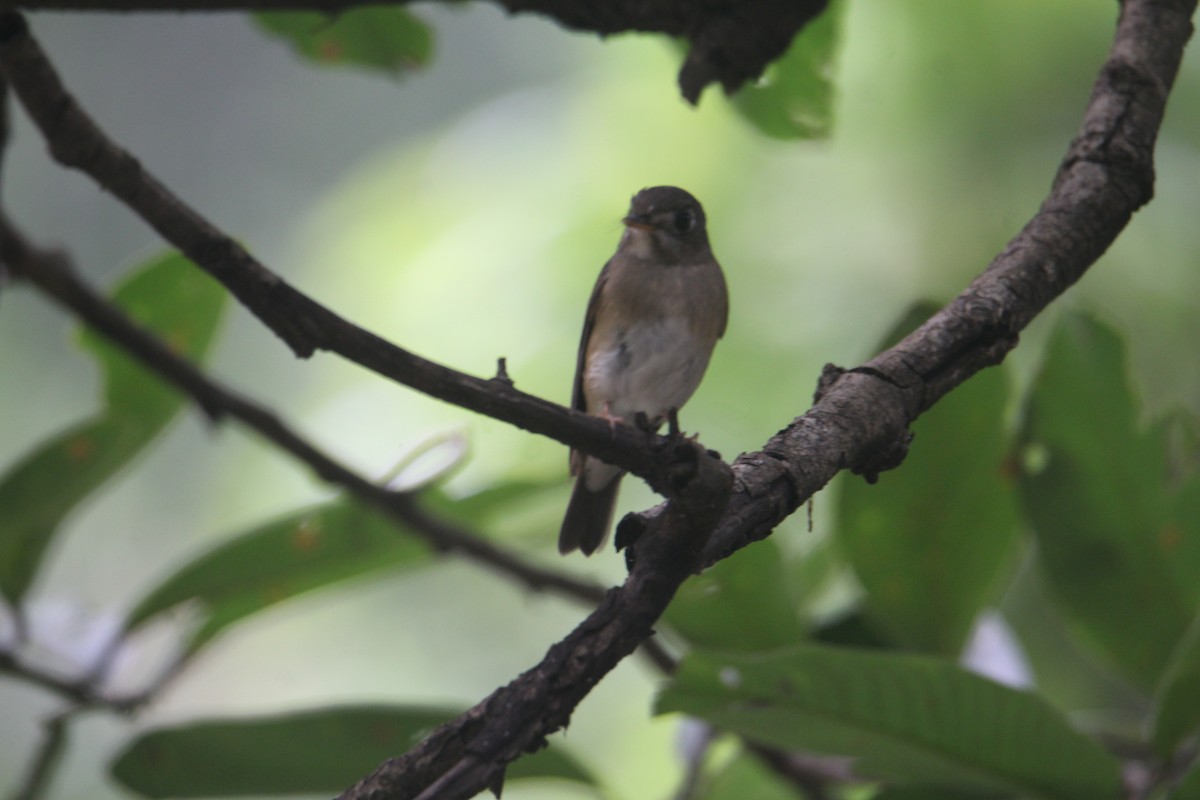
x,y
655,314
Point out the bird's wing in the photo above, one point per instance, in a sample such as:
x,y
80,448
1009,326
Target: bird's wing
x,y
578,401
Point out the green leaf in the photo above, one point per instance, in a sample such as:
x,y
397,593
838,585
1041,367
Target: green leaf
x,y
930,540
930,793
550,762
1178,699
1120,546
279,560
902,717
386,38
817,574
482,508
794,97
746,777
741,603
321,751
850,630
1188,788
181,305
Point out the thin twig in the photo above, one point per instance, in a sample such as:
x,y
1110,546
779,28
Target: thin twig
x,y
52,273
47,757
305,325
84,691
72,690
5,131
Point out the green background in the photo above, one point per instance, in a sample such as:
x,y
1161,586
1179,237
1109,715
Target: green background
x,y
463,211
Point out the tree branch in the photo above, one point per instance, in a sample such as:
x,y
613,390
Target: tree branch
x,y
732,41
305,325
471,753
4,125
860,418
52,274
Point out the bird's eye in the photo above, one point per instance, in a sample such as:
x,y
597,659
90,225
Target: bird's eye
x,y
684,220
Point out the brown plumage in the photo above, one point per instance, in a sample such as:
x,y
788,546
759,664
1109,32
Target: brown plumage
x,y
655,314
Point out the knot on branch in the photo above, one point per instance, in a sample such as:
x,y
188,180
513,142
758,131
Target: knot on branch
x,y
881,456
1123,145
697,484
830,374
886,436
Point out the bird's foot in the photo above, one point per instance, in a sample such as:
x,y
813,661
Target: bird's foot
x,y
673,431
612,419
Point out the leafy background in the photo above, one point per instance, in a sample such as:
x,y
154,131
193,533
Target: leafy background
x,y
463,210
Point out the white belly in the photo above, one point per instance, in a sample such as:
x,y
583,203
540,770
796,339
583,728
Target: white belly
x,y
649,368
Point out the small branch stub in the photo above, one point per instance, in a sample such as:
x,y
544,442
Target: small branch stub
x,y
502,372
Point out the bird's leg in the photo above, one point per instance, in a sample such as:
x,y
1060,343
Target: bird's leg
x,y
673,431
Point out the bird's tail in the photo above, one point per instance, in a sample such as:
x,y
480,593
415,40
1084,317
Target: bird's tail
x,y
589,516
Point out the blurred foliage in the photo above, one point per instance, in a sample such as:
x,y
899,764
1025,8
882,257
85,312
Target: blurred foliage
x,y
929,561
168,296
1047,488
379,37
1118,537
1115,522
903,718
312,548
740,604
300,753
745,776
1177,704
794,97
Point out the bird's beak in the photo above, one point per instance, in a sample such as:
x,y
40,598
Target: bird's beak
x,y
639,221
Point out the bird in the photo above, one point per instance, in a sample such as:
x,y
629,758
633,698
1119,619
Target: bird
x,y
655,314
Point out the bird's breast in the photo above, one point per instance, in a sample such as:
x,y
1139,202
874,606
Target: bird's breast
x,y
648,367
